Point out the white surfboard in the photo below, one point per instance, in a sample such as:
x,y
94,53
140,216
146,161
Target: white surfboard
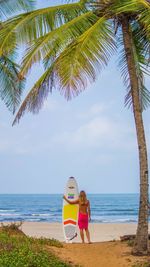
x,y
70,211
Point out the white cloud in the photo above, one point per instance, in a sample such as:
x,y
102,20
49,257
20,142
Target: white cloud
x,y
95,130
95,110
99,132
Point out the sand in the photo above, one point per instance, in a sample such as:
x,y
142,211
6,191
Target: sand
x,y
104,254
105,250
99,232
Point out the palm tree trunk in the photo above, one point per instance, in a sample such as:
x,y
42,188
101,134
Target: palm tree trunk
x,y
141,240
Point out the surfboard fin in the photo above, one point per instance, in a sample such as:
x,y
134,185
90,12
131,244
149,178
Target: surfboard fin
x,y
73,237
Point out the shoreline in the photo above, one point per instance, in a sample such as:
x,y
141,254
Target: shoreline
x,y
100,232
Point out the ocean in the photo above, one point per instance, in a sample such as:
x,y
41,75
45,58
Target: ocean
x,y
105,208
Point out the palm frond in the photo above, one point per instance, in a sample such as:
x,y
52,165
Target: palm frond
x,y
29,26
35,98
139,44
142,40
9,7
145,3
144,21
129,6
52,43
11,85
82,60
79,63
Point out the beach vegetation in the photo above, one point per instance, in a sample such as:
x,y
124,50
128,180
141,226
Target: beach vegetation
x,y
21,251
142,264
49,242
75,41
130,243
11,227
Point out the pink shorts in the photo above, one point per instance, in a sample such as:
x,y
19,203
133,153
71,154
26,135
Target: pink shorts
x,y
83,221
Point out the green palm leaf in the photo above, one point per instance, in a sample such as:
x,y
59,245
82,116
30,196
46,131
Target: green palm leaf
x,y
8,7
144,20
127,6
81,61
35,98
53,42
29,26
139,43
11,85
78,63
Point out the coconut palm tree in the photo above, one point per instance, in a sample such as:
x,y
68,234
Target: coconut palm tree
x,y
11,86
75,41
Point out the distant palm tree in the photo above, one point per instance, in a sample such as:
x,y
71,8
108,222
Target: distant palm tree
x,y
11,85
75,41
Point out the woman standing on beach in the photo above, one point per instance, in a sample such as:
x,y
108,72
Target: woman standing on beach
x,y
84,214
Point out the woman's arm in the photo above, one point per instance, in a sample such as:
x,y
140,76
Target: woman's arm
x,y
89,210
71,202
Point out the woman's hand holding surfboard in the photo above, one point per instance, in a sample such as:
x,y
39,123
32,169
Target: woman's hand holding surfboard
x,y
70,202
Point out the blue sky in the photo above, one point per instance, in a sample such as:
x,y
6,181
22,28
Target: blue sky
x,y
91,138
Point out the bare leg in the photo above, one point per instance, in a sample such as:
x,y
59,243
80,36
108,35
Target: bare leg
x,y
88,235
82,235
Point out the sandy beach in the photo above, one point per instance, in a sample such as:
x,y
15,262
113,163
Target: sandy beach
x,y
99,232
105,251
